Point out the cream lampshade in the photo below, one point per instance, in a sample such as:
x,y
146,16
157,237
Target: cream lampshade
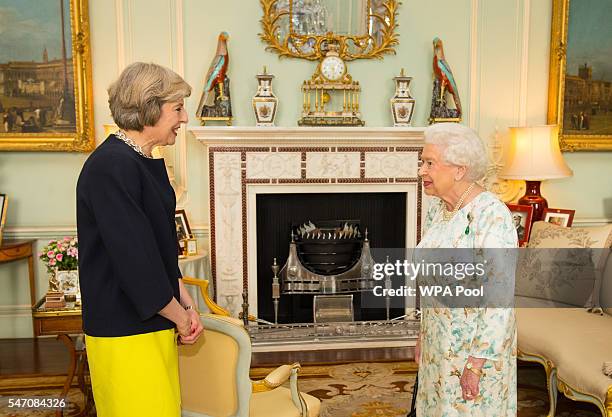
x,y
535,156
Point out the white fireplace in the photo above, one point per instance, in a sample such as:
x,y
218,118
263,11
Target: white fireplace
x,y
244,162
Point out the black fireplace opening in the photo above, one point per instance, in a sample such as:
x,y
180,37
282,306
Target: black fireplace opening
x,y
382,214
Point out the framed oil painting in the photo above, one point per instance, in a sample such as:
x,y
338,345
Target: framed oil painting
x,y
45,76
580,79
3,208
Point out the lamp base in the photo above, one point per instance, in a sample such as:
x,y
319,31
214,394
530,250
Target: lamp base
x,y
533,198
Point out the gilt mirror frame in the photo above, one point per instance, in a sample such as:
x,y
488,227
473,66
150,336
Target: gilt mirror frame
x,y
557,86
81,138
350,47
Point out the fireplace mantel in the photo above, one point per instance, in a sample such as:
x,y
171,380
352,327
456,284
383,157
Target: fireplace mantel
x,y
238,135
246,161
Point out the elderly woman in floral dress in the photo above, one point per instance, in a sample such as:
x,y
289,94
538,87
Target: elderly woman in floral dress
x,y
466,356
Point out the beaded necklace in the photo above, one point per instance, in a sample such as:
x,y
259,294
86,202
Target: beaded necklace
x,y
121,135
448,215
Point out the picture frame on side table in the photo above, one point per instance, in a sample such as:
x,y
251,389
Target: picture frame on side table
x,y
522,216
192,247
46,91
560,217
183,231
580,73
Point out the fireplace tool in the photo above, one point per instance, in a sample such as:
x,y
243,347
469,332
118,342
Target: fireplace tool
x,y
275,289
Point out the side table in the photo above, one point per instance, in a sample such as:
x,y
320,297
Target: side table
x,y
14,250
197,266
63,323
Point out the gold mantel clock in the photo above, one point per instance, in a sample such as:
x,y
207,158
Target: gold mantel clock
x,y
331,96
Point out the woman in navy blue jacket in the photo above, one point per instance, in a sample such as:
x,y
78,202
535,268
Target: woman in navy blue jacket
x,y
133,296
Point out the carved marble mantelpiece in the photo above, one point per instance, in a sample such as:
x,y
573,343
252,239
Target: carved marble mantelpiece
x,y
246,161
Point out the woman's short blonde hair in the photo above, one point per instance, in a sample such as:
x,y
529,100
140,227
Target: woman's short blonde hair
x,y
136,97
460,146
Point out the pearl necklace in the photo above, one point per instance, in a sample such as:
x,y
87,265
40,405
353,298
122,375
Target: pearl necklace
x,y
121,135
448,215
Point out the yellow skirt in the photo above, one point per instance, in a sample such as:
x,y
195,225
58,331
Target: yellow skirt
x,y
135,375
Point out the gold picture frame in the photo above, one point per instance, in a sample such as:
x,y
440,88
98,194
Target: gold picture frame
x,y
38,95
383,14
3,209
569,140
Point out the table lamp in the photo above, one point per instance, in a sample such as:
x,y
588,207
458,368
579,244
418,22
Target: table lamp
x,y
535,156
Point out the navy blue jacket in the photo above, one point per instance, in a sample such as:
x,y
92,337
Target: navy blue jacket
x,y
128,258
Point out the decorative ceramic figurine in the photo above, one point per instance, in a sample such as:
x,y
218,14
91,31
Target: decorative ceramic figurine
x,y
54,297
215,103
444,82
265,102
402,103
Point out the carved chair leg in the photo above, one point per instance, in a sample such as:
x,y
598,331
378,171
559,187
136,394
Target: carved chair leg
x,y
551,385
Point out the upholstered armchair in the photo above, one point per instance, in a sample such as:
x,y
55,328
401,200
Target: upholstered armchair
x,y
214,374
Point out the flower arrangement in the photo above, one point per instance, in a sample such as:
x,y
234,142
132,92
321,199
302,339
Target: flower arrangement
x,y
62,255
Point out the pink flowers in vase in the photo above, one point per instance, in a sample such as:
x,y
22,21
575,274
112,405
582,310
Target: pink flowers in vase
x,y
62,255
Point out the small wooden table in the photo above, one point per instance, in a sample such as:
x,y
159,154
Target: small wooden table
x,y
63,323
13,250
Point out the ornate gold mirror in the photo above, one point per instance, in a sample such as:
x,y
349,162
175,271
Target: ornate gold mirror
x,y
305,28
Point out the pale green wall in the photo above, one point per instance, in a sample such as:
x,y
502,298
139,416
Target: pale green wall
x,y
41,185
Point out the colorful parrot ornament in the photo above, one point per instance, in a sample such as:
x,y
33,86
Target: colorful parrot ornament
x,y
444,82
215,103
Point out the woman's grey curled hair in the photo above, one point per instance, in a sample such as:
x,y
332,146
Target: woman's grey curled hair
x,y
461,146
136,98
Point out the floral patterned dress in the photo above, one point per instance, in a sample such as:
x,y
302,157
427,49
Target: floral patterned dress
x,y
450,335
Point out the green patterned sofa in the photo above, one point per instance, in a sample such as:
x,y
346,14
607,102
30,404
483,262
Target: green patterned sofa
x,y
571,342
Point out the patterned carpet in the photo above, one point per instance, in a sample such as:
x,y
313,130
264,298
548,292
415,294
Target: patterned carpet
x,y
75,403
385,389
361,390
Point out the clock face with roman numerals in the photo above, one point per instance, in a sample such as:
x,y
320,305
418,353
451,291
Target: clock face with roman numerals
x,y
333,68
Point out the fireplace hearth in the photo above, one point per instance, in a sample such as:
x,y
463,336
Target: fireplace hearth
x,y
323,256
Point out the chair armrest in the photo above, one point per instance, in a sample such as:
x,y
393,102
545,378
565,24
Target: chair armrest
x,y
278,377
275,379
212,306
296,395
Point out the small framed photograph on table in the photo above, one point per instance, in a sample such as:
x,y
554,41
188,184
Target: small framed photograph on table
x,y
521,219
560,217
183,231
192,247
